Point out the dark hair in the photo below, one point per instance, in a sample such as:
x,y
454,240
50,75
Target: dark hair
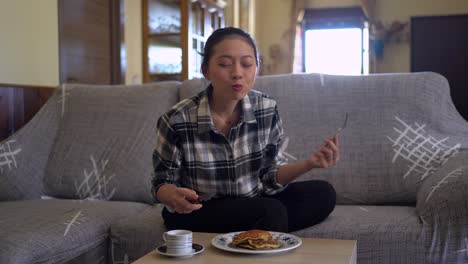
x,y
219,35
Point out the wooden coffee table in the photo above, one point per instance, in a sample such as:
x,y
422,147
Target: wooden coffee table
x,y
312,250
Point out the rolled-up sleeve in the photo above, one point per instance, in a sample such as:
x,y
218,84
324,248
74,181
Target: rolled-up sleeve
x,y
166,157
273,158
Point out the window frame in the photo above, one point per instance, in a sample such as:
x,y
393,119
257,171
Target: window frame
x,y
333,18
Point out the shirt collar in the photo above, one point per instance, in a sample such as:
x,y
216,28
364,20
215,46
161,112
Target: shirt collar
x,y
204,119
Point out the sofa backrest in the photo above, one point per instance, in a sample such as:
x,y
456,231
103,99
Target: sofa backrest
x,y
105,140
401,128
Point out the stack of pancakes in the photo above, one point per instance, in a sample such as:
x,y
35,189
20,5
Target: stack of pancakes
x,y
255,239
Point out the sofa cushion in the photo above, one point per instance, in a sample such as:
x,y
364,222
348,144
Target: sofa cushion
x,y
384,234
55,231
105,141
135,235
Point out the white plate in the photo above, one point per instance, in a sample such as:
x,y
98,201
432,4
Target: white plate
x,y
196,248
287,242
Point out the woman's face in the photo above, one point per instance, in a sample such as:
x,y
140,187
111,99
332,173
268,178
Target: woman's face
x,y
232,68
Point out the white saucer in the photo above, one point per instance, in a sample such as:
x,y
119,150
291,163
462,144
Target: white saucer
x,y
196,248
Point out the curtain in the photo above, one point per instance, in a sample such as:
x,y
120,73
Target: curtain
x,y
296,29
368,7
298,64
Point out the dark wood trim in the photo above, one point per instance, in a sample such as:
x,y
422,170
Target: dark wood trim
x,y
163,34
117,20
185,39
123,47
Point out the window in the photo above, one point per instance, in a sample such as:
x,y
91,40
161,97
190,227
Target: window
x,y
342,51
336,41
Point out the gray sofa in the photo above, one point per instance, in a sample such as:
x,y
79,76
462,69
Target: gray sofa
x,y
75,181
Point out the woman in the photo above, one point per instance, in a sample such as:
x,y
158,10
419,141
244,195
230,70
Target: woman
x,y
224,142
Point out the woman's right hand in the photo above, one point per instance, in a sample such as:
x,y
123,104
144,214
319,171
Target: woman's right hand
x,y
178,198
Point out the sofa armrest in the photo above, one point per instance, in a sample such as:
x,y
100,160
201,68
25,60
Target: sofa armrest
x,y
24,155
136,235
442,206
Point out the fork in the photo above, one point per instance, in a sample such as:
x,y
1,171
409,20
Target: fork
x,y
342,126
203,197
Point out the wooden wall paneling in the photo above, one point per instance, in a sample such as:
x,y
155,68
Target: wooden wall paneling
x,y
4,112
18,105
34,99
11,106
31,103
17,108
117,40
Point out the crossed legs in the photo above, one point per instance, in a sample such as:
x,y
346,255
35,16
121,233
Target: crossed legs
x,y
300,205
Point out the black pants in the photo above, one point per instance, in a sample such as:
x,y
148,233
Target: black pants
x,y
300,205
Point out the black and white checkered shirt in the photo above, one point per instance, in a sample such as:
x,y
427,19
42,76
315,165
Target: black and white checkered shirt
x,y
191,153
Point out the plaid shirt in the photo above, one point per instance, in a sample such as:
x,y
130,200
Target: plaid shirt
x,y
191,153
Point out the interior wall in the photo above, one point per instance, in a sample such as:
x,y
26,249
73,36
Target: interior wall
x,y
29,35
396,57
273,18
133,42
29,52
272,28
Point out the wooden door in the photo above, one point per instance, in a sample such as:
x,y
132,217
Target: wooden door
x,y
440,44
89,41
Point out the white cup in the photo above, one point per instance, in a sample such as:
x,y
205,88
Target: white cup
x,y
178,242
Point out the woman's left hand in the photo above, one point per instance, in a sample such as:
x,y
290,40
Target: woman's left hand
x,y
327,155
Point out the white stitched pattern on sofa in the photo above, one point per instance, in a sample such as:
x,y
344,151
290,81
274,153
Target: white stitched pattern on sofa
x,y
77,219
453,174
65,91
7,155
95,182
421,150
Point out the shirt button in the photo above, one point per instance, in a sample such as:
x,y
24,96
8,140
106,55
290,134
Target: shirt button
x,y
231,156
